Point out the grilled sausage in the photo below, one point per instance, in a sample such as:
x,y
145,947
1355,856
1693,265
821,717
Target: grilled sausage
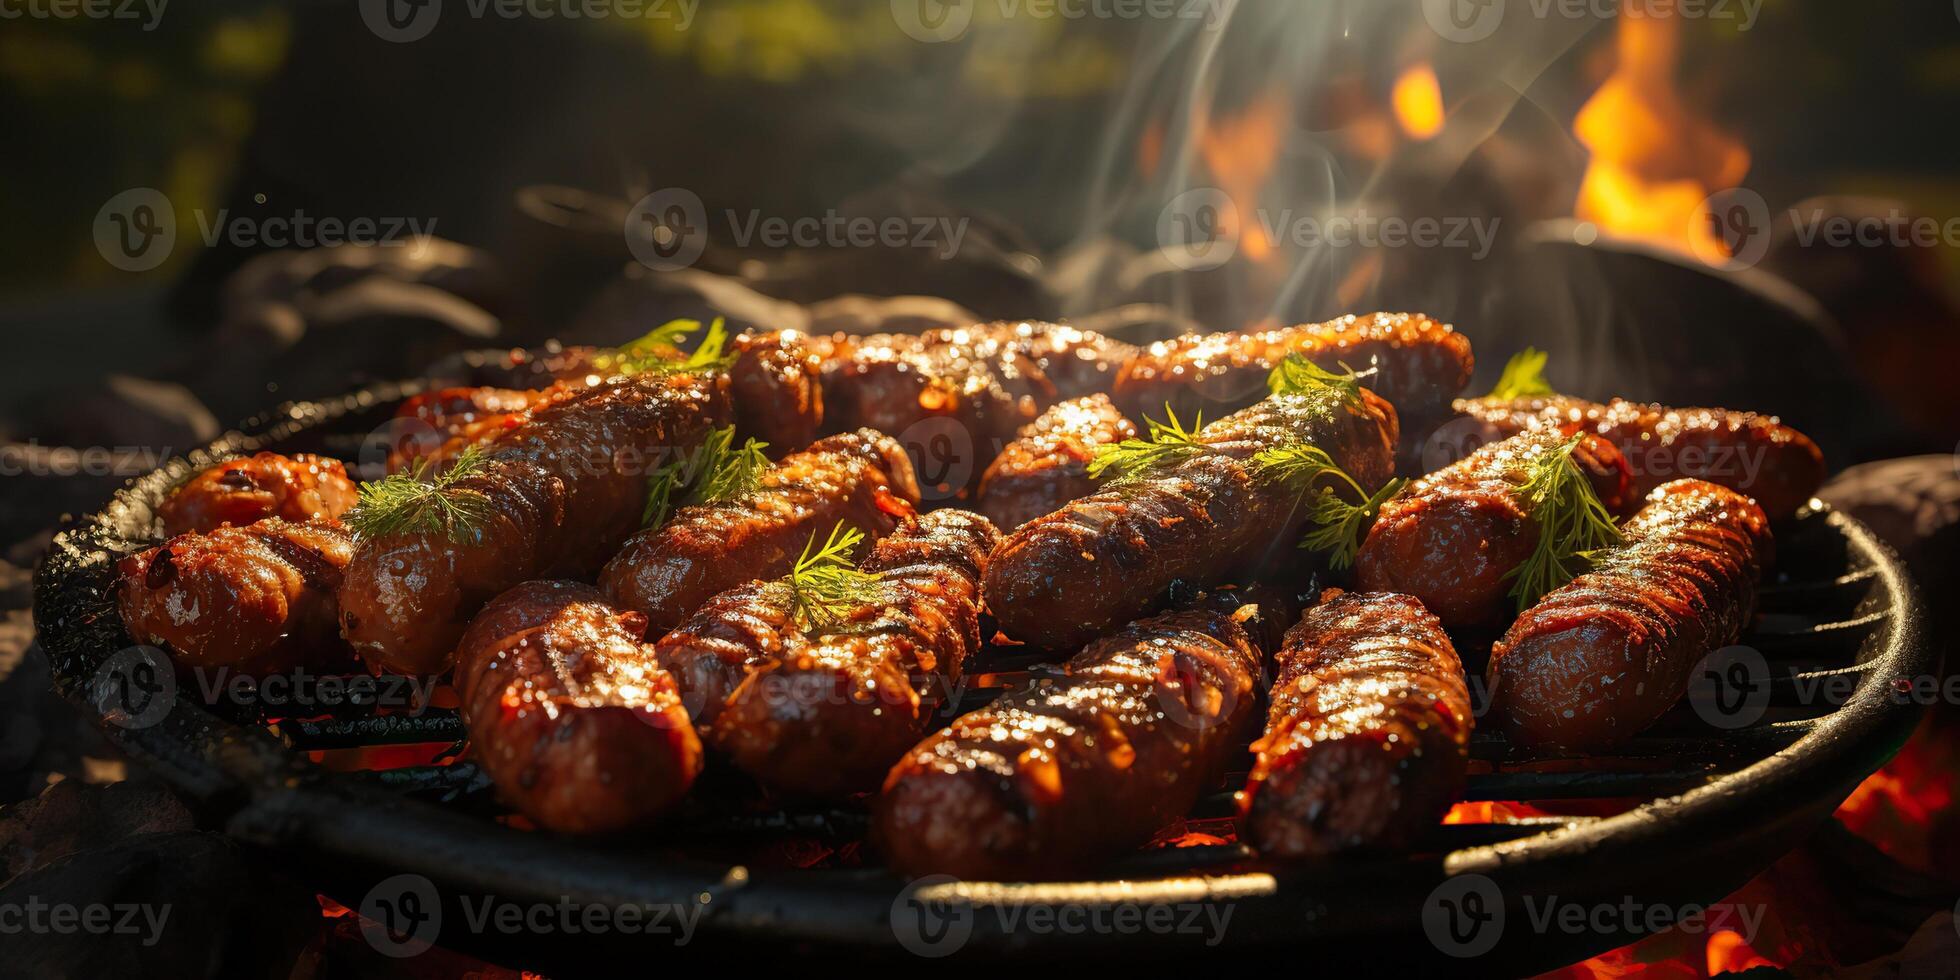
x,y
1079,769
776,390
450,420
1598,660
245,491
956,395
560,493
1420,365
568,712
862,478
258,599
1048,466
1755,454
830,712
1452,538
1106,559
1368,735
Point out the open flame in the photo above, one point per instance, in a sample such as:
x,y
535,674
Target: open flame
x,y
1655,161
1240,151
1418,101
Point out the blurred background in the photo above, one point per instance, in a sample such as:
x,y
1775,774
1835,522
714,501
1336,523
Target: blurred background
x,y
209,209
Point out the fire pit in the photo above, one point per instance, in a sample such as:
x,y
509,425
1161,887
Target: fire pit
x,y
1679,816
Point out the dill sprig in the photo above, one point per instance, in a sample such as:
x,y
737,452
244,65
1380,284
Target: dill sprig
x,y
1298,376
1573,525
1168,444
1524,377
415,502
826,583
659,352
718,470
1337,522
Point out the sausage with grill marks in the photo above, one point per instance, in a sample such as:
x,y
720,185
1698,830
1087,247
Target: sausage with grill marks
x,y
1048,466
862,478
1604,656
1108,558
1755,454
245,491
560,493
570,714
1367,737
258,599
1452,538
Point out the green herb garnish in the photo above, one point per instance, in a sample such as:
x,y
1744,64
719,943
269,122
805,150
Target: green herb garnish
x,y
825,583
1572,524
719,470
414,502
1337,522
1523,377
659,351
1298,376
1168,443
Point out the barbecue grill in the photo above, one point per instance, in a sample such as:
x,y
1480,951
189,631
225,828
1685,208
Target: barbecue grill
x,y
1705,807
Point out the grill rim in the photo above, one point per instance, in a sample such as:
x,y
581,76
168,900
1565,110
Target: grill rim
x,y
244,780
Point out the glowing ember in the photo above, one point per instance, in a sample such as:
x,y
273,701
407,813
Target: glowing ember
x,y
1239,152
1418,101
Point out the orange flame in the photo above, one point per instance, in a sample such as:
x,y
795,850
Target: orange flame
x,y
1418,101
1240,152
1654,160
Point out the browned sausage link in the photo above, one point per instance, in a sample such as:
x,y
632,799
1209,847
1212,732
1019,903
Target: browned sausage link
x,y
862,478
245,491
1600,659
1755,454
568,712
1101,561
1059,779
559,493
1420,365
828,716
1451,538
774,384
1048,466
1368,735
454,419
257,599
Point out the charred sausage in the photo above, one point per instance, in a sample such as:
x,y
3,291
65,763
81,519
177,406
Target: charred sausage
x,y
258,599
862,478
557,495
1755,454
827,715
1452,538
1420,365
568,712
776,390
1106,559
1060,778
1368,734
1601,658
245,491
1048,466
